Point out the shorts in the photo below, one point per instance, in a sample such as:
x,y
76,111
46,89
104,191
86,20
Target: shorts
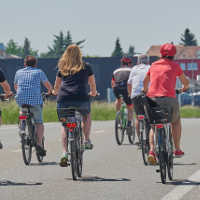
x,y
138,105
171,104
82,107
122,91
36,110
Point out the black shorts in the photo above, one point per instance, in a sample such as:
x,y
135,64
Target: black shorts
x,y
118,91
138,105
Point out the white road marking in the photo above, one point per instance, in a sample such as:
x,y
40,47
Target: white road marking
x,y
17,150
99,131
179,191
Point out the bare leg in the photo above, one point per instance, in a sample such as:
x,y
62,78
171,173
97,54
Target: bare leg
x,y
130,112
87,126
118,103
176,133
151,140
40,132
137,127
64,139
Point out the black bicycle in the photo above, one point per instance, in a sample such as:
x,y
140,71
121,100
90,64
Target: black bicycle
x,y
158,118
121,127
71,120
27,132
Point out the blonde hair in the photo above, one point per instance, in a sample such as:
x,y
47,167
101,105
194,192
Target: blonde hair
x,y
71,61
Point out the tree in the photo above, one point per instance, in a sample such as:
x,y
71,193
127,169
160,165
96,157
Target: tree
x,y
131,51
118,50
188,38
60,43
12,48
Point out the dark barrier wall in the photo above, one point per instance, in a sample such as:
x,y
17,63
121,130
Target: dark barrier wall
x,y
102,67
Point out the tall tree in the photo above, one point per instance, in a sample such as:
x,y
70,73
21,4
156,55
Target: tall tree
x,y
12,48
131,51
188,38
118,50
60,43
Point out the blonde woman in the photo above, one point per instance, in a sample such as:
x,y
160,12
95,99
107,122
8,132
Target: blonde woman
x,y
71,86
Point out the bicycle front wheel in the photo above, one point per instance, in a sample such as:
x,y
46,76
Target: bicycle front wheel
x,y
119,129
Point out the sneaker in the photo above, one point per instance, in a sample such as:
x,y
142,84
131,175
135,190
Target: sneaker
x,y
88,145
1,145
64,160
41,150
152,158
178,153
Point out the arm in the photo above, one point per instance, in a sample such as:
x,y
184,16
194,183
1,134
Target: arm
x,y
129,89
113,83
184,81
47,84
6,88
146,83
92,84
57,85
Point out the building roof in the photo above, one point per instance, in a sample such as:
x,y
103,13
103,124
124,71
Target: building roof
x,y
183,52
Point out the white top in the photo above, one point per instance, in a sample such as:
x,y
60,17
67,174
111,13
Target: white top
x,y
136,78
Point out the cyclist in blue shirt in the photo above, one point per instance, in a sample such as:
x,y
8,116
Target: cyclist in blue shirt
x,y
27,84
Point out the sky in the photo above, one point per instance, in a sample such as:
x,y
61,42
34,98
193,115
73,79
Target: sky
x,y
139,23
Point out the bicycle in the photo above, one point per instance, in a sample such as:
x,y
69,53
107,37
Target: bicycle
x,y
27,132
71,120
144,126
121,122
158,118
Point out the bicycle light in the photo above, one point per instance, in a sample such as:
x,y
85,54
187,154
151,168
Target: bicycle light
x,y
71,125
159,125
22,117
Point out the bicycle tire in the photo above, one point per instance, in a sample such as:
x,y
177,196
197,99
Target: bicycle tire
x,y
119,130
131,138
170,163
73,159
80,151
162,156
26,145
39,157
144,143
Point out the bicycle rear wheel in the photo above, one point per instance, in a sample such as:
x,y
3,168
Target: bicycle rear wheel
x,y
131,137
79,153
26,143
39,157
144,142
170,161
162,155
73,161
119,129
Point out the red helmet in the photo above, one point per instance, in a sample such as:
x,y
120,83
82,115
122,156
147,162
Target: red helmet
x,y
126,60
168,49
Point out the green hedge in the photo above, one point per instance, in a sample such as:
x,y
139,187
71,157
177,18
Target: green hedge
x,y
100,111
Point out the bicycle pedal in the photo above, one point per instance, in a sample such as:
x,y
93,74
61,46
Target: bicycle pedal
x,y
157,170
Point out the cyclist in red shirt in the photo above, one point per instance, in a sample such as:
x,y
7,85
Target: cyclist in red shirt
x,y
162,78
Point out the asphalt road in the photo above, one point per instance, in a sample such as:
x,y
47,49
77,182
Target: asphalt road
x,y
111,172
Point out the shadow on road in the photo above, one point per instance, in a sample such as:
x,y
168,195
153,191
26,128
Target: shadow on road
x,y
183,182
12,183
184,164
100,179
44,164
